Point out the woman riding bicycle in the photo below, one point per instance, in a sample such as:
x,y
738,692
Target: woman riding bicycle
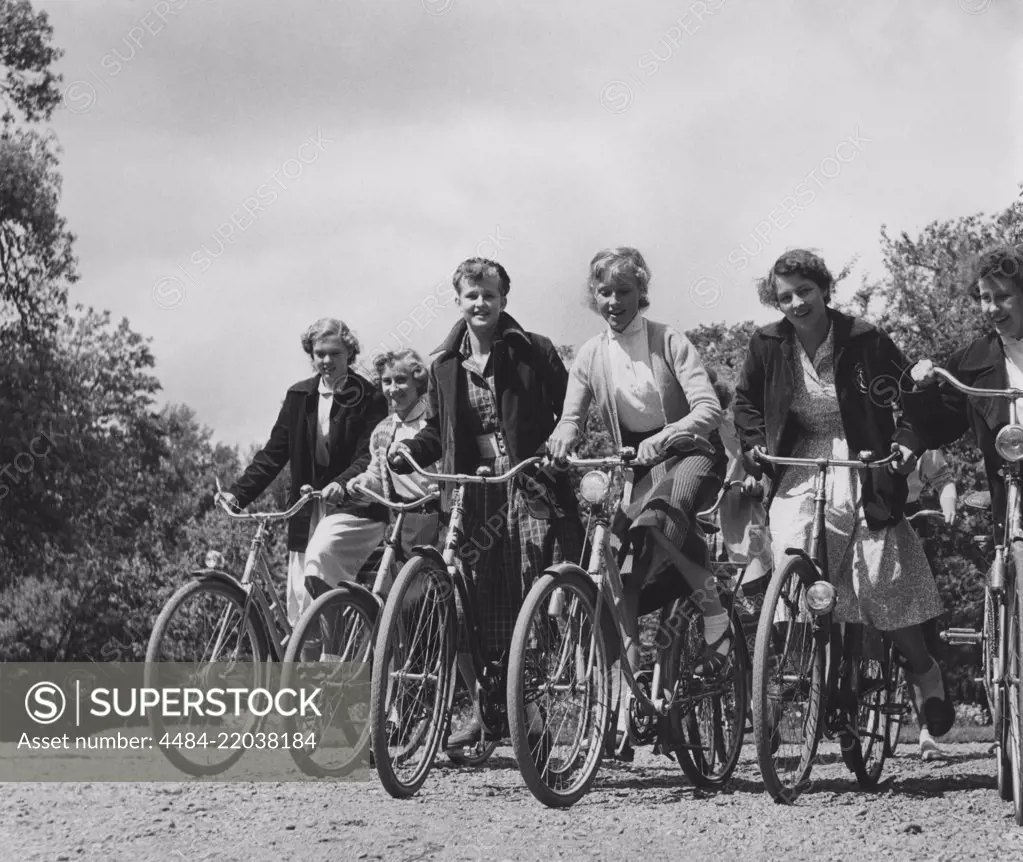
x,y
404,380
323,430
819,383
496,393
650,386
993,361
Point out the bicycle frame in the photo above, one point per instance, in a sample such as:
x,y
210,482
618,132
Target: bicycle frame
x,y
603,570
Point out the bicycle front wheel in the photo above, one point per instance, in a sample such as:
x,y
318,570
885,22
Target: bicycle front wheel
x,y
410,690
788,683
865,750
559,689
205,626
338,629
708,716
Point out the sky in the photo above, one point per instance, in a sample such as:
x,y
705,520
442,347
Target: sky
x,y
236,169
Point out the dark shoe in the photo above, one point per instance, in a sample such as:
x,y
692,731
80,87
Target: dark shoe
x,y
624,752
938,713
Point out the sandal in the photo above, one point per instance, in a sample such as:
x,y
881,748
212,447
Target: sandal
x,y
712,661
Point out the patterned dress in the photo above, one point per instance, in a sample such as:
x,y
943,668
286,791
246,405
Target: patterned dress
x,y
507,546
881,576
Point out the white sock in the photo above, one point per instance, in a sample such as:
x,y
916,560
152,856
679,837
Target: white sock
x,y
714,627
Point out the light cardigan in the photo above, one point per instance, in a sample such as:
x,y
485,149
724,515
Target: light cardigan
x,y
687,395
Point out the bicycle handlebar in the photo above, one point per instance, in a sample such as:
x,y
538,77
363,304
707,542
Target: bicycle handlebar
x,y
894,458
465,478
627,454
926,513
268,517
390,504
972,390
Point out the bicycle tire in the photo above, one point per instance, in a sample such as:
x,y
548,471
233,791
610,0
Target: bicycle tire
x,y
900,695
558,771
724,749
360,611
422,593
996,695
787,591
1014,687
864,752
160,646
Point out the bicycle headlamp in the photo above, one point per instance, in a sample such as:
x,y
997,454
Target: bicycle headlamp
x,y
215,560
1009,443
593,487
820,598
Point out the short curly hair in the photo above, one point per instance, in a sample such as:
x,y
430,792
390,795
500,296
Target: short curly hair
x,y
797,261
615,266
327,327
1004,260
476,270
412,359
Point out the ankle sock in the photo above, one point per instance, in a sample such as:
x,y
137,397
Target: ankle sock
x,y
713,628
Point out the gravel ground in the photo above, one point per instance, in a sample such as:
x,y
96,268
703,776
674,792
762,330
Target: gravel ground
x,y
645,810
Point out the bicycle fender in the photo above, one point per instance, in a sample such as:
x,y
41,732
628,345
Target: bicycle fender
x,y
566,569
430,552
803,555
360,590
220,577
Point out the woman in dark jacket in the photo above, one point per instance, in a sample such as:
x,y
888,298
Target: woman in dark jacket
x,y
496,394
323,431
822,384
993,361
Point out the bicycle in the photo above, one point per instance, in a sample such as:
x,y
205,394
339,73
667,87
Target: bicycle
x,y
339,627
567,635
216,619
1001,639
414,654
852,700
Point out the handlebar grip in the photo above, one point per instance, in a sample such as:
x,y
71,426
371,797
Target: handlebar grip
x,y
304,490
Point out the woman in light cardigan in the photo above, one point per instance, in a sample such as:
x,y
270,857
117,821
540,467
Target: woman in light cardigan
x,y
649,386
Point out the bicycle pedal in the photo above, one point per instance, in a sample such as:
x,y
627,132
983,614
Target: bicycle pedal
x,y
962,637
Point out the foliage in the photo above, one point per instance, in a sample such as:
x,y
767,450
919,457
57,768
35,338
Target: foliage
x,y
29,84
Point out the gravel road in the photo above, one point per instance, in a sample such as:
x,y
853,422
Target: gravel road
x,y
645,810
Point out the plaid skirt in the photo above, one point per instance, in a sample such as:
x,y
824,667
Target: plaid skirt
x,y
506,547
667,497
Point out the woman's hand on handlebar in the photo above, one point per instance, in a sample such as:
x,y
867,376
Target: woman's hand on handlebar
x,y
333,492
396,460
908,463
228,499
754,468
561,443
923,372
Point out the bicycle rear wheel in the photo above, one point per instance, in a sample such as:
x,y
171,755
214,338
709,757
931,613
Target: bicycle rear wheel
x,y
788,683
205,628
708,719
1014,682
339,626
865,750
413,658
559,689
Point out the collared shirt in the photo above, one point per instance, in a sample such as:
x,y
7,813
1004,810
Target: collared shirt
x,y
323,422
1014,366
637,399
411,486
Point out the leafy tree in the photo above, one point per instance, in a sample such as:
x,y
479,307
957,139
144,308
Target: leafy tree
x,y
29,84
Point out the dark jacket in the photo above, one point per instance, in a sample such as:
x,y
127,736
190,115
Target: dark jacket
x,y
868,371
943,414
530,380
357,409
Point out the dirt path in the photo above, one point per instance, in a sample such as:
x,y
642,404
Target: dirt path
x,y
645,810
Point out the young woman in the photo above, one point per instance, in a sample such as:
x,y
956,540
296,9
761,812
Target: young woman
x,y
808,389
649,387
404,380
323,431
496,393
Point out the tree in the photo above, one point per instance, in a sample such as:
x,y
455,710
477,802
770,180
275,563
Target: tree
x,y
29,85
